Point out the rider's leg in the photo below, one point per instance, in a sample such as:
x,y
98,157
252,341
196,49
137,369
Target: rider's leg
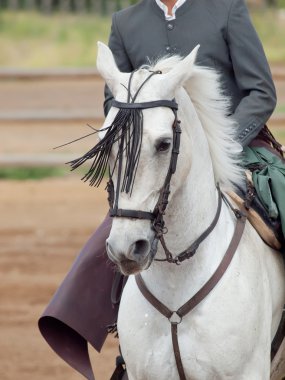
x,y
81,309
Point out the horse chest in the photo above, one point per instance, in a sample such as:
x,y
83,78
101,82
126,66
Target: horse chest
x,y
147,348
145,338
210,339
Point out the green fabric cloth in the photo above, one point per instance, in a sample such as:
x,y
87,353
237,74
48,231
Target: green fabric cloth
x,y
269,180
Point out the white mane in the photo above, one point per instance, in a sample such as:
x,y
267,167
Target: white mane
x,y
212,107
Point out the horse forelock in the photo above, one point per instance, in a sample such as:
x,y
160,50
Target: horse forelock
x,y
212,107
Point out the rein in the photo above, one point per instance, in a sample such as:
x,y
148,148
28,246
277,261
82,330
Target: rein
x,y
176,317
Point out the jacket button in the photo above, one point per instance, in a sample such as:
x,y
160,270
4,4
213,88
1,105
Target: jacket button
x,y
170,26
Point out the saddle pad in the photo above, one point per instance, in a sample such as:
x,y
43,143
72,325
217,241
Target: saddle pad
x,y
268,176
265,232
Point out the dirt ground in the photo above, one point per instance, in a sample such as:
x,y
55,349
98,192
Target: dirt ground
x,y
43,225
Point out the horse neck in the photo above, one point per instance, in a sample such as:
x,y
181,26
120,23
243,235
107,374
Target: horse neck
x,y
191,210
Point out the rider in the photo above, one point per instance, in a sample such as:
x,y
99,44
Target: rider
x,y
229,44
82,306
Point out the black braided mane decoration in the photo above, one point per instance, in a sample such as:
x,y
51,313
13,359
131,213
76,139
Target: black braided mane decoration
x,y
126,130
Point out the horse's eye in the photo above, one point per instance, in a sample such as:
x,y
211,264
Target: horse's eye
x,y
163,145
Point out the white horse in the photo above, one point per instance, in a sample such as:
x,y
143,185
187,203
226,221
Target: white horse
x,y
228,335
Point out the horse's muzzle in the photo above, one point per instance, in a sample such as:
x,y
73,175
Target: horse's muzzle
x,y
132,259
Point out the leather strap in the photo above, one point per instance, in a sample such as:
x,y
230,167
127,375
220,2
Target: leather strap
x,y
151,298
117,288
279,336
218,274
144,105
176,349
190,251
175,317
134,214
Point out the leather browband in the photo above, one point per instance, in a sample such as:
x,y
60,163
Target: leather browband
x,y
156,103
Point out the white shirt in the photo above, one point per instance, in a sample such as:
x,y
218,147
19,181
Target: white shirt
x,y
174,9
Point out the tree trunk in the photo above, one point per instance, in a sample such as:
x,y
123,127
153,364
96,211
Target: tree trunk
x,y
13,4
46,6
30,4
65,5
104,7
80,6
272,3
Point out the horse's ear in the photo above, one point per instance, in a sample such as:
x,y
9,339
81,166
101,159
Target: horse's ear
x,y
107,67
181,72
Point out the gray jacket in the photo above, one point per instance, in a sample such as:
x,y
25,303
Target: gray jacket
x,y
140,34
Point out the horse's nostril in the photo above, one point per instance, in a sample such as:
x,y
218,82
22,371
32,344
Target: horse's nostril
x,y
136,252
141,247
109,250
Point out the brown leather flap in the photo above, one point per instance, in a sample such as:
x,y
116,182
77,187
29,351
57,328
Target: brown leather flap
x,y
81,309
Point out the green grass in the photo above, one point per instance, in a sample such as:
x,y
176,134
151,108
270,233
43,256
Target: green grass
x,y
33,40
280,108
281,3
270,26
31,173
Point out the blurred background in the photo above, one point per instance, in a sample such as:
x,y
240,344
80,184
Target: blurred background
x,y
49,92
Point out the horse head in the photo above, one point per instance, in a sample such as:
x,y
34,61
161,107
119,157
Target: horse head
x,y
139,144
140,175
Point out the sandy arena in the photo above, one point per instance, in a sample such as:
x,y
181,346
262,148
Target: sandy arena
x,y
43,225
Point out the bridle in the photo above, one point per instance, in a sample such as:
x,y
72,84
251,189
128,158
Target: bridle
x,y
156,217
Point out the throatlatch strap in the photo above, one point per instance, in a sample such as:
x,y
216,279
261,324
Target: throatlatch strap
x,y
190,251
